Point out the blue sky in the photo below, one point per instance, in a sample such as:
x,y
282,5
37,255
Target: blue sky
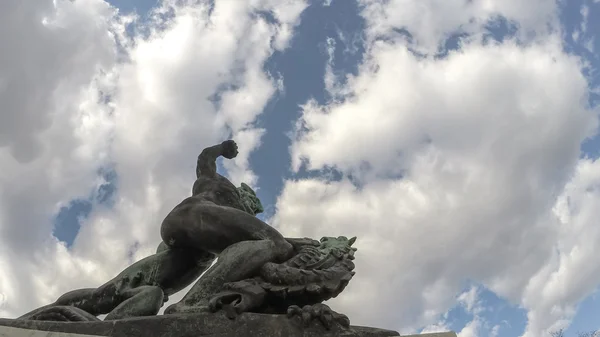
x,y
303,67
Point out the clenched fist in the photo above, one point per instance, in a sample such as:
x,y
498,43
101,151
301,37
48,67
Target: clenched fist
x,y
229,149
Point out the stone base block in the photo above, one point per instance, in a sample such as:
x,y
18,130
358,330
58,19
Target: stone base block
x,y
189,325
435,334
192,325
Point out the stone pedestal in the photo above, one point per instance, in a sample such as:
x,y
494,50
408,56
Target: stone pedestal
x,y
436,334
6,331
190,325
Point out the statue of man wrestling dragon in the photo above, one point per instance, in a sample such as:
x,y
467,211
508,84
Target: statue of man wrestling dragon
x,y
257,270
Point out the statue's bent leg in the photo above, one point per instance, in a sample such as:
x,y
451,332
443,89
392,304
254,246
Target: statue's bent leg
x,y
80,298
196,224
140,301
95,301
235,263
243,243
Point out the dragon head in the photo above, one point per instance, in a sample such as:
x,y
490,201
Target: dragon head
x,y
338,247
249,200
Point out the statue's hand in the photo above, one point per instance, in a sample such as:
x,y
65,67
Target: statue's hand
x,y
229,149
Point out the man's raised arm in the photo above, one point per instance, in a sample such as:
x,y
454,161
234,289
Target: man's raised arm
x,y
207,160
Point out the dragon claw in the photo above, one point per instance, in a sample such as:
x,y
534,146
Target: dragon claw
x,y
306,317
236,301
229,302
319,311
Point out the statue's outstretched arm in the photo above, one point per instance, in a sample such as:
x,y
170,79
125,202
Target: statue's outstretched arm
x,y
207,160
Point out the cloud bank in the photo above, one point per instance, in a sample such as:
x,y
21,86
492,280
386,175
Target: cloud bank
x,y
454,168
93,89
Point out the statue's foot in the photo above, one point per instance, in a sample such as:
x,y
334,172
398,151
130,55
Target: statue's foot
x,y
319,311
180,308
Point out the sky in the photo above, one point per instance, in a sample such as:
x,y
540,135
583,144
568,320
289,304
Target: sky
x,y
457,139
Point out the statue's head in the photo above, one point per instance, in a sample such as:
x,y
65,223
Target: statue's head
x,y
249,200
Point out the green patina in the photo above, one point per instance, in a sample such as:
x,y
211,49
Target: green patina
x,y
250,275
249,200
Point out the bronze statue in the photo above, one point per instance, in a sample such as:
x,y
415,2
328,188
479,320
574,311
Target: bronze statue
x,y
258,270
214,220
139,290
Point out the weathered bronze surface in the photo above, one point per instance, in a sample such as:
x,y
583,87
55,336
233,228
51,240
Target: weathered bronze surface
x,y
261,279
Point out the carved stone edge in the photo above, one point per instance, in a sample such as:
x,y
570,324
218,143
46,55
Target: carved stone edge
x,y
434,334
195,325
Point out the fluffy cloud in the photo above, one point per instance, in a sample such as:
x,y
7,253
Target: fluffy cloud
x,y
431,22
472,329
143,103
570,275
52,135
451,167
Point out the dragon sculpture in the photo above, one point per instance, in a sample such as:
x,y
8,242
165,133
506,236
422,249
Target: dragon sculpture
x,y
317,272
298,286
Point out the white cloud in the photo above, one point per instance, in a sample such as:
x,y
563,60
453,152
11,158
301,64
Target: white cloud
x,y
433,328
585,13
52,134
431,22
469,299
571,275
158,119
474,305
451,167
495,331
471,329
581,35
484,141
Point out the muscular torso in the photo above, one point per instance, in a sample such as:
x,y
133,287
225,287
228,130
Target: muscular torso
x,y
217,189
212,219
173,270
